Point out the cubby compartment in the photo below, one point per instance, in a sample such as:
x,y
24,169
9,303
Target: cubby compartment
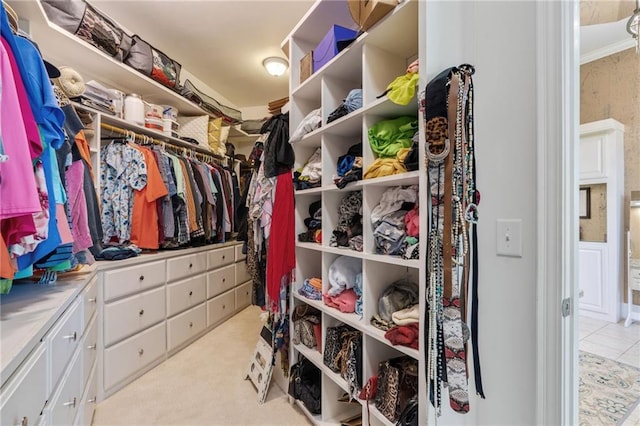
x,y
297,112
308,216
334,92
390,230
306,327
336,146
337,223
379,277
343,270
378,353
334,411
308,266
384,150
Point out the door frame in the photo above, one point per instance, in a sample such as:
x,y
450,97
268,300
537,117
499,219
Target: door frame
x,y
558,101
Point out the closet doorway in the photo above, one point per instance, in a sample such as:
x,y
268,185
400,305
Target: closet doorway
x,y
608,349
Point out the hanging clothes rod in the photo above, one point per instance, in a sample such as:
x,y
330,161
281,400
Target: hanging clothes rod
x,y
205,156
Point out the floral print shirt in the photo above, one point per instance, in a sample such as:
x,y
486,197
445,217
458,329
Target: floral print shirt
x,y
122,169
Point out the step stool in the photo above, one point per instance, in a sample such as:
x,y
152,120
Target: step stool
x,y
261,365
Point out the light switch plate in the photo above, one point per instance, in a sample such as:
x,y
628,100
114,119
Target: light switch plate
x,y
509,237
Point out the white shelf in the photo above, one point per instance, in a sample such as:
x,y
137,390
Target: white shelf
x,y
312,355
379,335
239,136
309,191
316,419
378,415
371,62
309,246
65,49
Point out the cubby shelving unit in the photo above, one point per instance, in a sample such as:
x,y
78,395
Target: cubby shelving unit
x,y
370,63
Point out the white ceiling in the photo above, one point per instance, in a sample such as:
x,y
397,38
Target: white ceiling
x,y
221,42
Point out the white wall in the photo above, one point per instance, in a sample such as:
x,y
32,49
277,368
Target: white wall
x,y
499,39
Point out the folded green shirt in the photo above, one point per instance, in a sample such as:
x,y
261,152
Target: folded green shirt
x,y
387,137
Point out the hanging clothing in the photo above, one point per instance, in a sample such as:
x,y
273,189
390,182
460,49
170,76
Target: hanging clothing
x,y
123,170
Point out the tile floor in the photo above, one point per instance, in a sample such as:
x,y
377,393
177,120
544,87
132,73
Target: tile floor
x,y
613,341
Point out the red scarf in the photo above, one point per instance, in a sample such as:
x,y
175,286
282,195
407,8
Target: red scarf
x,y
281,250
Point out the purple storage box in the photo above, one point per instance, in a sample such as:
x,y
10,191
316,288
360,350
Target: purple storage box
x,y
328,47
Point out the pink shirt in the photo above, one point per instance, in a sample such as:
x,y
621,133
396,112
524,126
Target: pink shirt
x,y
78,207
18,193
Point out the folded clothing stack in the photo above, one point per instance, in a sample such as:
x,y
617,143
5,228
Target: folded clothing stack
x,y
310,176
391,141
395,221
311,289
349,226
313,234
349,166
345,279
397,305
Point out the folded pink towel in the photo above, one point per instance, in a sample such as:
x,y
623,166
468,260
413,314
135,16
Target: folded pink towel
x,y
345,301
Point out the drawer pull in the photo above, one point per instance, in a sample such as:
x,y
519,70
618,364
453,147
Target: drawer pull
x,y
23,422
224,279
223,257
91,346
190,324
141,312
190,265
92,400
71,403
71,337
92,300
224,306
141,278
191,293
140,352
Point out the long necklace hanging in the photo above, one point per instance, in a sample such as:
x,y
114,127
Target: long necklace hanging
x,y
449,163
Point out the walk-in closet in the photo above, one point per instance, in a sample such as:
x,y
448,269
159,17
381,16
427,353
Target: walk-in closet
x,y
314,212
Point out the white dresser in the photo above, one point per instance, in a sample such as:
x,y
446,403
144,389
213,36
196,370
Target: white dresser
x,y
68,346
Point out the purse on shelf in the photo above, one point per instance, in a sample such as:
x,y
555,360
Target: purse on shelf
x,y
305,385
305,318
409,416
397,384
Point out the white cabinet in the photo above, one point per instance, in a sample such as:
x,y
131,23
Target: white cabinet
x,y
133,314
370,63
184,266
186,326
133,279
220,280
62,407
25,395
220,308
63,341
601,259
185,294
123,361
220,257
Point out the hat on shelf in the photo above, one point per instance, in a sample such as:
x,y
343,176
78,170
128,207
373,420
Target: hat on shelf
x,y
71,82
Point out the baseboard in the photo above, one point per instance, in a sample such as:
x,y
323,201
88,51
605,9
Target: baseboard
x,y
635,311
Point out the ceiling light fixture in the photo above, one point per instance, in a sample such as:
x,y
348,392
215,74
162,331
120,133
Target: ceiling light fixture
x,y
633,26
275,66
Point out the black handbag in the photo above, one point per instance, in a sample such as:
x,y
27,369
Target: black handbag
x,y
305,384
409,416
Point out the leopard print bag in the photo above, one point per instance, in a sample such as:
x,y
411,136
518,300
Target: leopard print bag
x,y
397,384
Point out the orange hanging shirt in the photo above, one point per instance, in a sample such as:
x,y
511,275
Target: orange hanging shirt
x,y
144,221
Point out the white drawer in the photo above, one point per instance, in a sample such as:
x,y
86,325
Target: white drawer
x,y
64,403
184,266
220,308
89,349
220,257
89,299
63,340
89,400
242,273
130,356
24,395
128,316
239,254
243,295
220,280
185,294
185,326
133,279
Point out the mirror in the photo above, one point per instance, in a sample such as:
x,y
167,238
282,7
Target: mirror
x,y
593,212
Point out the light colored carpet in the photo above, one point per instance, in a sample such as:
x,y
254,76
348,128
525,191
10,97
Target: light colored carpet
x,y
203,385
608,390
